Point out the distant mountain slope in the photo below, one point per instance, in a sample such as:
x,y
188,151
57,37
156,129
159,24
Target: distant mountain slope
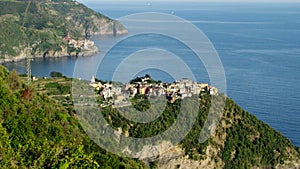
x,y
45,24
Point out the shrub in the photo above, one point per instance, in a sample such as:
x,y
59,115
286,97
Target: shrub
x,y
56,74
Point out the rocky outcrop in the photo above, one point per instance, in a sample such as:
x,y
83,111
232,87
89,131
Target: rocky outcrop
x,y
106,27
51,54
184,161
96,24
168,156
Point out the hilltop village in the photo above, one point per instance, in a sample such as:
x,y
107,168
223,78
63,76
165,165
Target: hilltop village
x,y
84,44
119,95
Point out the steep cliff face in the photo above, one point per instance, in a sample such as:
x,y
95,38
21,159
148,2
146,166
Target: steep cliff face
x,y
87,21
43,25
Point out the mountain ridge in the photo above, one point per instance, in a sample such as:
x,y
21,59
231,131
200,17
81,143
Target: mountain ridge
x,y
43,29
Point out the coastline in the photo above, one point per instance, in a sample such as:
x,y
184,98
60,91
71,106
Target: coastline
x,y
47,36
90,51
53,54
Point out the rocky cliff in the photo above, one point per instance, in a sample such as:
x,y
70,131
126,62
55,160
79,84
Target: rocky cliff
x,y
239,140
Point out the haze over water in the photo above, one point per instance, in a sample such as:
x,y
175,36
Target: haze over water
x,y
258,44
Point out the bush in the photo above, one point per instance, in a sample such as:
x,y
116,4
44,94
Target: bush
x,y
56,74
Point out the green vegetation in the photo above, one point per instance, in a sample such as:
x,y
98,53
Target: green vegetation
x,y
58,88
254,142
140,79
142,130
45,24
140,102
56,74
38,132
249,142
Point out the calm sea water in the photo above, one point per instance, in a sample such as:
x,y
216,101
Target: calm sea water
x,y
259,46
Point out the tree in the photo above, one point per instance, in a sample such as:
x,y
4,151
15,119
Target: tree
x,y
14,80
56,74
147,76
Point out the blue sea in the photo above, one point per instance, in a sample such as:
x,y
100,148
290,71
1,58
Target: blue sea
x,y
258,45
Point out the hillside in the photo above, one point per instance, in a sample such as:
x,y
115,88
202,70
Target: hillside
x,y
39,128
47,27
38,132
240,140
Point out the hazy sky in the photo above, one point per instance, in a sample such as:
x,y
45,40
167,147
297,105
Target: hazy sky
x,y
146,1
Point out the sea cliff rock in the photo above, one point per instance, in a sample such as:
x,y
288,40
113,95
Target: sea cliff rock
x,y
51,54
